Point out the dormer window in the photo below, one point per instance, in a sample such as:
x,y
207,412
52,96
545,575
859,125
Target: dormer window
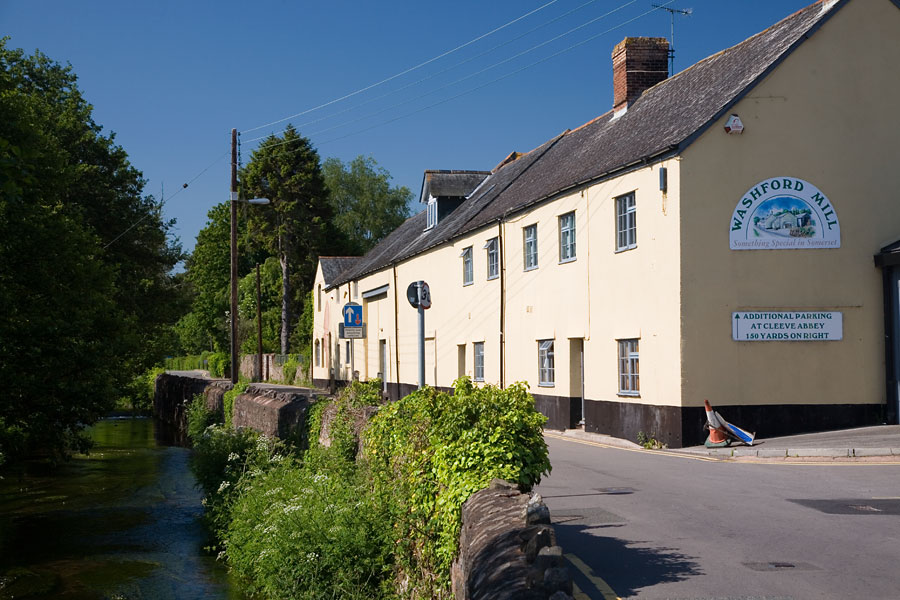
x,y
432,217
444,191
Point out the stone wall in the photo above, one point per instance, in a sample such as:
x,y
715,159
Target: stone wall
x,y
278,411
270,370
171,396
507,549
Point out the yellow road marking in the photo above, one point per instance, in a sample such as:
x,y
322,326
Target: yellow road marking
x,y
602,586
639,450
821,464
748,460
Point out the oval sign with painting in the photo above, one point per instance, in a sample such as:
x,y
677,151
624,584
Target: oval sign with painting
x,y
784,213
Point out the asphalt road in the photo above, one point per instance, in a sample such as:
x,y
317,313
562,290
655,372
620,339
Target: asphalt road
x,y
652,525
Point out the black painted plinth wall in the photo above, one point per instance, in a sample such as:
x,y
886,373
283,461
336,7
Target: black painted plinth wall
x,y
679,427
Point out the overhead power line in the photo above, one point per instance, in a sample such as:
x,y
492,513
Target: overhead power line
x,y
164,201
493,81
475,74
450,68
409,70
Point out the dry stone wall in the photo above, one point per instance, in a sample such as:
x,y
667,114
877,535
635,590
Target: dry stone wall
x,y
507,549
277,411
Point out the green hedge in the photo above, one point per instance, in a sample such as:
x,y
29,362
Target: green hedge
x,y
431,450
214,362
336,523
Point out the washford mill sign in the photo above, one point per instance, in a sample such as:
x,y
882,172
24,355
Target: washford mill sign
x,y
784,213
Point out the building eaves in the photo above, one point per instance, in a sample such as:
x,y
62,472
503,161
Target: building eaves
x,y
333,266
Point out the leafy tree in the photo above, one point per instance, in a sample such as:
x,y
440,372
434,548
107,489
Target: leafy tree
x,y
82,310
366,207
270,302
298,225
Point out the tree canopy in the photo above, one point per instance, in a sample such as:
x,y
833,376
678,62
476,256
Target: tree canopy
x,y
334,209
366,207
298,226
83,311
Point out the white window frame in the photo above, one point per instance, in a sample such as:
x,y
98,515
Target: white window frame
x,y
432,213
478,352
493,258
626,222
530,247
629,368
468,266
567,237
546,364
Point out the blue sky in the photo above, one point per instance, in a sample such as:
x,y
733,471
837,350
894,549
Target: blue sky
x,y
171,77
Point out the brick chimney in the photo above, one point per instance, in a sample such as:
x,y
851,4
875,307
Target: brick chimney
x,y
638,63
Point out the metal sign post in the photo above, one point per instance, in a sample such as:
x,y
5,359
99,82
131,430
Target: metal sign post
x,y
419,296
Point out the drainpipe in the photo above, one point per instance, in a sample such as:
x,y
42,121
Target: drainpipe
x,y
396,331
502,262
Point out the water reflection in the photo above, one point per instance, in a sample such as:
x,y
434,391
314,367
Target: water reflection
x,y
121,523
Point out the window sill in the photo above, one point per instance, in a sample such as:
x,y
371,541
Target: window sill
x,y
468,284
546,385
530,269
476,380
625,249
629,394
493,278
568,260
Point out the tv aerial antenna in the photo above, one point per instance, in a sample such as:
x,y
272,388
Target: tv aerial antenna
x,y
686,12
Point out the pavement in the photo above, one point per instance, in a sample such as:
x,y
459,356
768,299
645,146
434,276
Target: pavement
x,y
862,443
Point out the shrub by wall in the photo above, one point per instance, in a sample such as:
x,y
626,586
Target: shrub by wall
x,y
331,521
429,451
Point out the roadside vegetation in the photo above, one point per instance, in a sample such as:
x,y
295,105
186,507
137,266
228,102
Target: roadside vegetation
x,y
367,502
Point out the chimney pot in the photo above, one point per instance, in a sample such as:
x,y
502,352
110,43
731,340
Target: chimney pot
x,y
639,63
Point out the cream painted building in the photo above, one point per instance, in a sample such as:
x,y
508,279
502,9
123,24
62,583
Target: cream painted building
x,y
729,233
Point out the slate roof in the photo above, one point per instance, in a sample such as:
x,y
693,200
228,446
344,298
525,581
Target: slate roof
x,y
333,266
661,123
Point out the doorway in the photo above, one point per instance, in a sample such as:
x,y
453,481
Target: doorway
x,y
889,261
576,375
383,364
893,343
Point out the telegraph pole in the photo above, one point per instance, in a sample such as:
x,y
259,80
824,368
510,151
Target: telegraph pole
x,y
259,354
234,266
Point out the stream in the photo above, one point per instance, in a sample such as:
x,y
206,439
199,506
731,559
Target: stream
x,y
122,523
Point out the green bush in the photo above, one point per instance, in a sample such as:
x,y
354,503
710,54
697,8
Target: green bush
x,y
382,524
228,399
139,392
221,457
200,417
289,368
216,364
430,451
310,531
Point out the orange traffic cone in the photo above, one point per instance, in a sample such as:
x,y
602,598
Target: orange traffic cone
x,y
716,437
